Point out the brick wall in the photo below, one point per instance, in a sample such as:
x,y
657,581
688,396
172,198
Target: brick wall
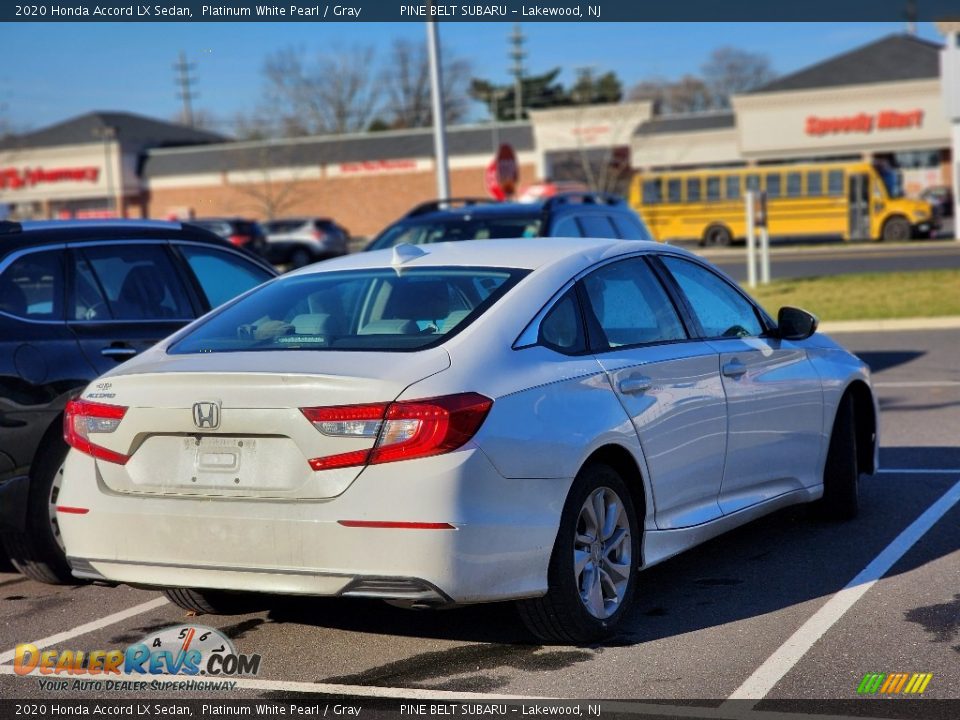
x,y
363,204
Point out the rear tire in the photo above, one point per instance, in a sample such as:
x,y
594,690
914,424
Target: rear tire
x,y
717,236
36,551
588,596
841,474
896,229
300,257
210,602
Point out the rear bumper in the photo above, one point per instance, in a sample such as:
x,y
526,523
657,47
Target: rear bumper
x,y
499,547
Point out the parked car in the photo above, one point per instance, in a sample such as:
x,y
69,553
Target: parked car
x,y
570,214
301,241
940,198
531,420
240,232
77,299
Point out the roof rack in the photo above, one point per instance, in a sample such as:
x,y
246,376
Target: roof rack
x,y
585,198
8,227
434,205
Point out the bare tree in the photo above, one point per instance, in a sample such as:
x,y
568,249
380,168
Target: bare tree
x,y
269,191
688,94
406,78
730,71
336,93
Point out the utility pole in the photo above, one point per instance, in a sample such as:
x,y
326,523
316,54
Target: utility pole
x,y
495,97
183,80
517,55
439,121
950,82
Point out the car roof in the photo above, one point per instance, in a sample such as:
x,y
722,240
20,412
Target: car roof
x,y
483,207
522,253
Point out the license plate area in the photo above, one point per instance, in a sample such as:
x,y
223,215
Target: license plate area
x,y
222,455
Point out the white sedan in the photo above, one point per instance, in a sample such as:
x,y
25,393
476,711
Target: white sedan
x,y
533,420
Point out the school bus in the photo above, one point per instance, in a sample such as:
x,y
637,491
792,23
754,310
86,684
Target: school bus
x,y
850,200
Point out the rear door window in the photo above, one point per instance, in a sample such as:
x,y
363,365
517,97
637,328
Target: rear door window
x,y
222,275
562,328
32,286
139,282
597,226
721,310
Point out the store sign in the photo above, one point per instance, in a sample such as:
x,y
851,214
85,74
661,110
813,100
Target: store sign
x,y
16,178
864,123
378,166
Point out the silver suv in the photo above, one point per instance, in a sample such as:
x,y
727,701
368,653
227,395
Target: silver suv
x,y
301,241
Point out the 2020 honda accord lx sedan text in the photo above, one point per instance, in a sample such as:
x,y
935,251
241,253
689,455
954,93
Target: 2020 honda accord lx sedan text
x,y
534,420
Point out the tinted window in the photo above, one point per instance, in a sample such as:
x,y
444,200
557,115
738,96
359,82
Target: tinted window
x,y
835,182
598,226
720,308
652,192
222,276
630,228
630,305
673,190
466,227
713,188
567,227
814,183
562,328
693,189
353,310
139,281
794,184
32,286
773,185
88,301
733,187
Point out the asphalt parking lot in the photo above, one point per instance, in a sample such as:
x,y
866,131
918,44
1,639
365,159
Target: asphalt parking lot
x,y
761,613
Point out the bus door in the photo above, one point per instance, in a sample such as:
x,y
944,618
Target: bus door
x,y
858,192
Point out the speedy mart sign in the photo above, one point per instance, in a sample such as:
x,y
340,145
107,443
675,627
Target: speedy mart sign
x,y
864,122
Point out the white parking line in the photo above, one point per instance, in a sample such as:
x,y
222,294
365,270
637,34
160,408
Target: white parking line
x,y
918,471
787,655
917,384
90,626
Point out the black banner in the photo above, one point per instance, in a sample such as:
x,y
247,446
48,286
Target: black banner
x,y
502,11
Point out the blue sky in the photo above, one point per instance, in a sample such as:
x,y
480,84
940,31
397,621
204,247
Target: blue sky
x,y
57,70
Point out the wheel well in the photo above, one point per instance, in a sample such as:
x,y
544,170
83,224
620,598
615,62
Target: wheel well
x,y
50,436
620,459
895,216
717,226
865,422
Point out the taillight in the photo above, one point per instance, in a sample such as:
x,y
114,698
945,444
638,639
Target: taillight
x,y
319,235
238,239
83,419
401,430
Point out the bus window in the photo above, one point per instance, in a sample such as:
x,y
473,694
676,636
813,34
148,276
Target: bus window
x,y
773,185
814,183
753,183
733,187
835,182
673,190
713,188
693,189
652,192
794,184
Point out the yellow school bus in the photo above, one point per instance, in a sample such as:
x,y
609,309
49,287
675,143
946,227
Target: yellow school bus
x,y
850,200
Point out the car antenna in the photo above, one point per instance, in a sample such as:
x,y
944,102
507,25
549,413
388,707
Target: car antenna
x,y
404,253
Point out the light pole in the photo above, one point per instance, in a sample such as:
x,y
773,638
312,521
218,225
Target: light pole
x,y
950,79
439,121
108,133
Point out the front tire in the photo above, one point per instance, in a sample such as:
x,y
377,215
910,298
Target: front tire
x,y
717,236
37,551
593,569
300,258
896,229
841,474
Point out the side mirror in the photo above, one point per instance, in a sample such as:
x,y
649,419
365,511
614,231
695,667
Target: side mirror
x,y
795,324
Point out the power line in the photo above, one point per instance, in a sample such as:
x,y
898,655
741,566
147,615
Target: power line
x,y
184,81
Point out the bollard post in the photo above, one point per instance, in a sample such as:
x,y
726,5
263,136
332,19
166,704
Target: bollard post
x,y
751,239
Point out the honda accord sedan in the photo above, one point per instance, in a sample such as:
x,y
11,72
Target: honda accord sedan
x,y
528,420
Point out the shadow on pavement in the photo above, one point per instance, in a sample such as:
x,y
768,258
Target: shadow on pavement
x,y
886,359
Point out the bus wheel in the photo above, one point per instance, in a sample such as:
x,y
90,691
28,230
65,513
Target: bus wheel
x,y
896,229
717,235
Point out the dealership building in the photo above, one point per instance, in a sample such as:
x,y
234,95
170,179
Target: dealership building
x,y
881,102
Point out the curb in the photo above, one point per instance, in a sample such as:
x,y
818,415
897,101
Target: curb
x,y
898,324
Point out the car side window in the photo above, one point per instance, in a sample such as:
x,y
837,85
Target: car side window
x,y
88,301
222,276
567,227
629,228
720,308
139,282
631,307
597,226
32,286
562,328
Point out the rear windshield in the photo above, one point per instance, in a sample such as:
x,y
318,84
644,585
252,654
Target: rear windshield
x,y
377,310
459,228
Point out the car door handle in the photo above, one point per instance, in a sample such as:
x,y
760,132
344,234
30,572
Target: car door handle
x,y
118,352
734,369
635,385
